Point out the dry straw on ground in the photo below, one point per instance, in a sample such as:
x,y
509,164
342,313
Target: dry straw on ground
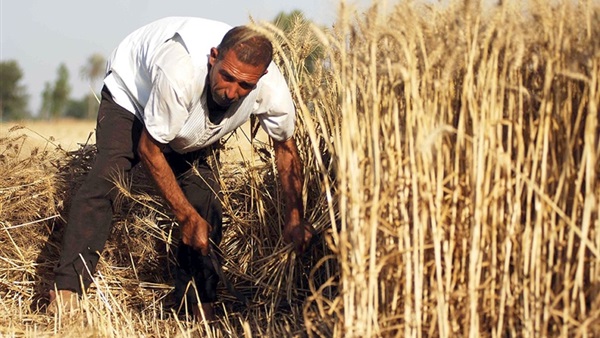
x,y
451,169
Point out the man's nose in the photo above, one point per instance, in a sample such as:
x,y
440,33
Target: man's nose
x,y
231,93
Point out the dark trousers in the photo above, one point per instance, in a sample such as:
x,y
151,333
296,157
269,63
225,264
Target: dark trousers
x,y
118,133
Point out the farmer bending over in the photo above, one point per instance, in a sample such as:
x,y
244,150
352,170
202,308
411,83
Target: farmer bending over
x,y
168,95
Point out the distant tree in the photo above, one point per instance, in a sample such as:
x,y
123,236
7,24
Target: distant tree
x,y
13,98
285,21
60,92
77,108
296,26
46,101
93,70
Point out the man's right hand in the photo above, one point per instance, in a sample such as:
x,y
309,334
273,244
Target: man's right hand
x,y
195,233
194,229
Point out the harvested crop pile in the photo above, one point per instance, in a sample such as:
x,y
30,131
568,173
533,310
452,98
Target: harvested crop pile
x,y
134,275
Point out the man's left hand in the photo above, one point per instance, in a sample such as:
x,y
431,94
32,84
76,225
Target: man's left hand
x,y
299,235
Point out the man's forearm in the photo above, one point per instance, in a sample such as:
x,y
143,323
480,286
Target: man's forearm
x,y
296,230
194,229
155,162
290,172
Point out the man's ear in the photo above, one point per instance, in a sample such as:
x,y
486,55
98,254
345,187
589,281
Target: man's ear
x,y
214,53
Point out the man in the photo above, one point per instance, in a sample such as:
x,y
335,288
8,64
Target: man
x,y
168,95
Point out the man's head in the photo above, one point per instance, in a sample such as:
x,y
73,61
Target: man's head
x,y
237,64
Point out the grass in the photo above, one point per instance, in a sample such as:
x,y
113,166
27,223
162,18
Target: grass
x,y
451,163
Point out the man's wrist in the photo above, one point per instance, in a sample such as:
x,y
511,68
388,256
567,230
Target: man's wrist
x,y
292,222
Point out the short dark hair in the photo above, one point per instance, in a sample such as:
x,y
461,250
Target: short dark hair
x,y
250,46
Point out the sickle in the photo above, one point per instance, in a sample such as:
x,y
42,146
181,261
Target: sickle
x,y
212,254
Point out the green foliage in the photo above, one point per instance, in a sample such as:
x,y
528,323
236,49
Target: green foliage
x,y
80,109
55,98
46,101
13,98
295,24
286,21
61,91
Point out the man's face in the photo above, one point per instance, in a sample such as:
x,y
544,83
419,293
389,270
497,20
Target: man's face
x,y
230,79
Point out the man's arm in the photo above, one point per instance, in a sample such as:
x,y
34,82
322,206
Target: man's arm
x,y
194,229
296,230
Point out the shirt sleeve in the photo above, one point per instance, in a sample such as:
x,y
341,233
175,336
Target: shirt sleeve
x,y
277,114
168,104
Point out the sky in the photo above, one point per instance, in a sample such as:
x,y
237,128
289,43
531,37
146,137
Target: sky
x,y
42,34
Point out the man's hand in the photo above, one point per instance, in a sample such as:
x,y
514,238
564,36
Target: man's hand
x,y
299,235
195,233
194,228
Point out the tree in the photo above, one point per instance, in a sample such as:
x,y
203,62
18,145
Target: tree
x,y
286,21
93,70
297,27
60,92
13,98
46,101
79,108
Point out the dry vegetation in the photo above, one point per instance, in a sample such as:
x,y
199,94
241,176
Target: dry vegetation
x,y
68,134
451,170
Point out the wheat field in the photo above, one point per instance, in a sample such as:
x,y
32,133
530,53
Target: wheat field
x,y
67,134
451,171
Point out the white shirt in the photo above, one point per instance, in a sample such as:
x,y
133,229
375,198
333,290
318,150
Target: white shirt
x,y
159,74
